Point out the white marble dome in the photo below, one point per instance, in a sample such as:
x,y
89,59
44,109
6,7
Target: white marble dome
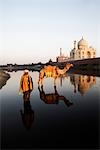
x,y
82,42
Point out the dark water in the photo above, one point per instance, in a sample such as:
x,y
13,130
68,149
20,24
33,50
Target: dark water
x,y
70,121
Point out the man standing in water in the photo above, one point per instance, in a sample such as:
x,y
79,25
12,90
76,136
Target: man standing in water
x,y
26,86
26,83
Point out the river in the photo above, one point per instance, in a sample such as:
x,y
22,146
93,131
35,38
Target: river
x,y
61,116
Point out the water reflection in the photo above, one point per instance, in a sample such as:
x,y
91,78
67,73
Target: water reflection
x,y
53,98
27,114
82,83
52,120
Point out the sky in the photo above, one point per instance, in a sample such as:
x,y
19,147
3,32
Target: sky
x,y
34,30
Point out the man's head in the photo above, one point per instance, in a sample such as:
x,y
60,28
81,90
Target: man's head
x,y
26,71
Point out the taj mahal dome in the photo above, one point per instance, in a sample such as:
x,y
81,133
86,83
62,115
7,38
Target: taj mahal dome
x,y
82,50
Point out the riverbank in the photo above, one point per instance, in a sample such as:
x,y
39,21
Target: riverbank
x,y
91,66
3,78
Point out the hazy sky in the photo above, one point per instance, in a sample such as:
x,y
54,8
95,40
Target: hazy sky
x,y
34,30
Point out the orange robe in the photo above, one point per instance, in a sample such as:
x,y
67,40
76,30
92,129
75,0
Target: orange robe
x,y
26,83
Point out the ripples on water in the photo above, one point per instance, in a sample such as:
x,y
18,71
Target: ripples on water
x,y
61,116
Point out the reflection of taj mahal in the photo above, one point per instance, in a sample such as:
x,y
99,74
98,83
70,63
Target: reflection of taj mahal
x,y
82,83
82,50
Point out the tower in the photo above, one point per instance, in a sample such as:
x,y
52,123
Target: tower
x,y
60,51
74,44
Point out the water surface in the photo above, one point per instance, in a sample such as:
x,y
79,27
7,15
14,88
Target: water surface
x,y
65,116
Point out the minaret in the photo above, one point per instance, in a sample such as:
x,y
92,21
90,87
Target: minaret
x,y
60,51
74,49
74,44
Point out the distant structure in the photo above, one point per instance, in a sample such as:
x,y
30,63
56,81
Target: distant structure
x,y
82,51
62,57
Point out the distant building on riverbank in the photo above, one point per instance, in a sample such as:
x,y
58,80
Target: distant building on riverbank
x,y
61,57
82,51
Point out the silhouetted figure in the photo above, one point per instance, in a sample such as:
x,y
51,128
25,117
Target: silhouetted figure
x,y
52,98
28,114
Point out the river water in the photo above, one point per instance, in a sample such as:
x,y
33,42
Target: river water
x,y
64,116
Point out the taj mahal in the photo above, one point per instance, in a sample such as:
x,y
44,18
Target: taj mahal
x,y
81,50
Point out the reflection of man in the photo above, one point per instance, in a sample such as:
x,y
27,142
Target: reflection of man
x,y
28,114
